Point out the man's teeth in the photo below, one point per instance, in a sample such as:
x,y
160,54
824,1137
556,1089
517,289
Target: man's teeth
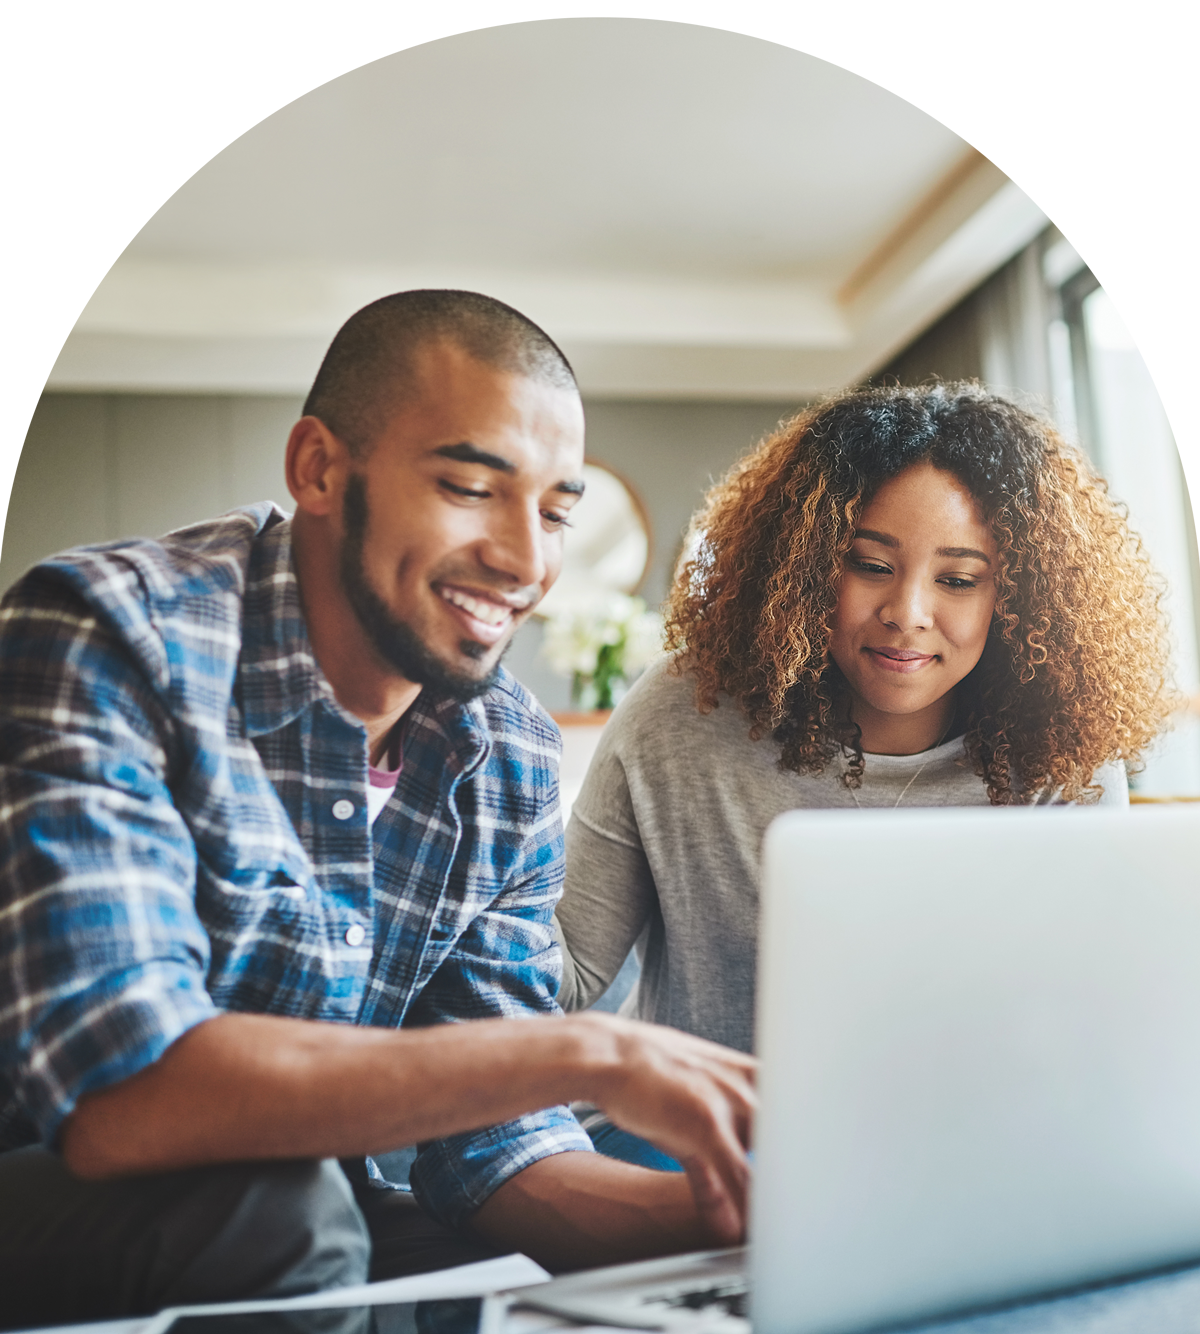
x,y
490,613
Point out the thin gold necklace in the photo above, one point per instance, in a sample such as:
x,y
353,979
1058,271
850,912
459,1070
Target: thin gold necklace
x,y
920,771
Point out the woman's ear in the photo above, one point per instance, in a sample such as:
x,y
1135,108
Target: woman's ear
x,y
315,466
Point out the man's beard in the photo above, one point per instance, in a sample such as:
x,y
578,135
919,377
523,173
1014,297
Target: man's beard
x,y
396,642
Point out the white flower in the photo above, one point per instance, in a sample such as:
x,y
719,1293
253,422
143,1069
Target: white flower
x,y
572,640
570,645
643,641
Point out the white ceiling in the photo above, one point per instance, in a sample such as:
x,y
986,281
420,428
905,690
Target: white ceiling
x,y
688,211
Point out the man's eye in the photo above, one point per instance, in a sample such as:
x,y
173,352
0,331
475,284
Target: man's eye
x,y
467,491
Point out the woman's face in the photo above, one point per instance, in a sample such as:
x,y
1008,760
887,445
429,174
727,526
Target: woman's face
x,y
914,607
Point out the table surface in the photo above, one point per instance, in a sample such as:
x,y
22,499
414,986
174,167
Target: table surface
x,y
1163,1304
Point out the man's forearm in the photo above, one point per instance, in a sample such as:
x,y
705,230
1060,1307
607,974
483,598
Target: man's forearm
x,y
577,1210
245,1086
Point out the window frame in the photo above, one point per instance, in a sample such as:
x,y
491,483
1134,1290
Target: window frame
x,y
1158,234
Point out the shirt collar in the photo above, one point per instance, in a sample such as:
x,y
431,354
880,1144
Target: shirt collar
x,y
278,673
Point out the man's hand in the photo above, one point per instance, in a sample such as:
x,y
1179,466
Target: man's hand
x,y
691,1098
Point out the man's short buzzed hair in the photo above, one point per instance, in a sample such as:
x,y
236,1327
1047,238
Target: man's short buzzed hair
x,y
368,369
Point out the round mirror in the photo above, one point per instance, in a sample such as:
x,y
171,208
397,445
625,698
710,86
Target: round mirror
x,y
607,546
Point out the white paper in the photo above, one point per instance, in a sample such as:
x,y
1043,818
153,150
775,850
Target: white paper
x,y
473,1280
132,1325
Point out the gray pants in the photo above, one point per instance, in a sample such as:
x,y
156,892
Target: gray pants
x,y
75,1250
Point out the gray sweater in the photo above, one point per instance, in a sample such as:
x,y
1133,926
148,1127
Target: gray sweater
x,y
663,849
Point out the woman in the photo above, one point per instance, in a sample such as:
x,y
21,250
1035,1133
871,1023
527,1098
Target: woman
x,y
905,597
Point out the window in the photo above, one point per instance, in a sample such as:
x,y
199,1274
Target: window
x,y
1134,315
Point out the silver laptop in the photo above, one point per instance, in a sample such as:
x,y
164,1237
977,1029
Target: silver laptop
x,y
980,1036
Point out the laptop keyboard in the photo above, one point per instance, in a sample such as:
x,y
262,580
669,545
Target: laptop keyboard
x,y
704,1293
729,1298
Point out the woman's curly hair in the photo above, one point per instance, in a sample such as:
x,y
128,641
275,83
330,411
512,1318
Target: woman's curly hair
x,y
1075,671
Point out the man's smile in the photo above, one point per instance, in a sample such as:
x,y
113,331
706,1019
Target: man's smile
x,y
487,615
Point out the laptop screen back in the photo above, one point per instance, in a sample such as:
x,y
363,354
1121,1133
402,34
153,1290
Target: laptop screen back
x,y
980,1035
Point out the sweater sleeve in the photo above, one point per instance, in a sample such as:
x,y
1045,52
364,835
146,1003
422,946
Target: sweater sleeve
x,y
609,892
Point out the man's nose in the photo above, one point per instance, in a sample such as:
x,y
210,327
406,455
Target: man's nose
x,y
515,546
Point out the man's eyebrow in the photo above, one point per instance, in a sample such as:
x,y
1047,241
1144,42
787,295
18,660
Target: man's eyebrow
x,y
964,553
469,453
465,452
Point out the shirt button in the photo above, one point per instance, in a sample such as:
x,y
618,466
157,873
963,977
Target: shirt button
x,y
343,810
355,935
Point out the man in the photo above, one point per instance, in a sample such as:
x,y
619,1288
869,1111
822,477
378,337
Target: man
x,y
271,813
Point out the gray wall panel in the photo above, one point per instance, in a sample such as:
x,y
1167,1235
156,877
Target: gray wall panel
x,y
671,452
259,429
62,494
172,462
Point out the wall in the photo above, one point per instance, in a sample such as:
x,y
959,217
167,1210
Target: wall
x,y
102,466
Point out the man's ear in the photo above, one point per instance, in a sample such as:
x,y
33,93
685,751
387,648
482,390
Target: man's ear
x,y
315,466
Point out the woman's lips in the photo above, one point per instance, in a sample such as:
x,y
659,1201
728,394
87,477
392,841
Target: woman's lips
x,y
900,659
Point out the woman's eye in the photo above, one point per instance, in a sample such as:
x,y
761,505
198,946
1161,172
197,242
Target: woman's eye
x,y
954,581
868,566
555,519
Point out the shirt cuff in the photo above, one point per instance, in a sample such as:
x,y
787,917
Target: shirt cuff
x,y
452,1177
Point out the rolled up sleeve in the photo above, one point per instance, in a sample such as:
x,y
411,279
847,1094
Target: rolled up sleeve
x,y
102,956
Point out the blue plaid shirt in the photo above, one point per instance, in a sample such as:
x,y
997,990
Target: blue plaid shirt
x,y
174,765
